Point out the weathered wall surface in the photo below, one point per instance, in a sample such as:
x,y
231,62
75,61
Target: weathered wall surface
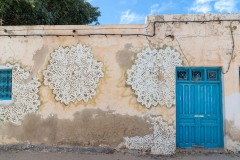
x,y
114,113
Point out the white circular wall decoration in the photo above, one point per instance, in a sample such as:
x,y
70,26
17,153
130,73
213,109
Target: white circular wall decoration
x,y
73,74
25,98
152,77
162,141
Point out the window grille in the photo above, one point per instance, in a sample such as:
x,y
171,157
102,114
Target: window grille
x,y
5,84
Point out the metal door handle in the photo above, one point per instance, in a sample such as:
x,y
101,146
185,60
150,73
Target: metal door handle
x,y
198,116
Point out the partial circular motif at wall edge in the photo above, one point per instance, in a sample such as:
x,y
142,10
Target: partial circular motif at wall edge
x,y
152,77
25,98
73,74
162,141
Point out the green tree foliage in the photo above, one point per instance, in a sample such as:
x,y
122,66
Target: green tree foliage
x,y
47,12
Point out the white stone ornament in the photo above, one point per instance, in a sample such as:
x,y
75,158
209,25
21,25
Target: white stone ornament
x,y
162,141
25,98
152,77
139,143
73,74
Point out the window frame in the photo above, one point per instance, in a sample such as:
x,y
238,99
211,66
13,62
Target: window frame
x,y
9,98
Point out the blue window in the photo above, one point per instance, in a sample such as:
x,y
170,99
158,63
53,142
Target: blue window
x,y
182,74
213,75
197,74
5,84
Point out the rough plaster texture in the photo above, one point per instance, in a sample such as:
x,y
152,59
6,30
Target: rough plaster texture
x,y
91,127
200,44
161,141
232,122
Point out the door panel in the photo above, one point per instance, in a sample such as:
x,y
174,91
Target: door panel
x,y
187,123
199,110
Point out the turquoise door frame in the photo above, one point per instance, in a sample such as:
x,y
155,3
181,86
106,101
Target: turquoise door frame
x,y
199,115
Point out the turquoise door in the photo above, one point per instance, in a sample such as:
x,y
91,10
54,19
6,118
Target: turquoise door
x,y
199,108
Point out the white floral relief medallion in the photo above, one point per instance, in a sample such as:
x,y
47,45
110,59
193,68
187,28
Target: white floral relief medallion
x,y
152,77
162,141
25,98
73,74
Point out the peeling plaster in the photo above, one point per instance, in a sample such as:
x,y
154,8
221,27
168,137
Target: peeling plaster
x,y
89,127
232,105
125,57
232,122
39,58
233,146
162,141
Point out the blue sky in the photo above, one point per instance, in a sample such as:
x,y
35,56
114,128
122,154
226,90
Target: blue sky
x,y
135,11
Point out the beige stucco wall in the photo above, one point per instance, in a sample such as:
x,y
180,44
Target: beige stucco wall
x,y
114,112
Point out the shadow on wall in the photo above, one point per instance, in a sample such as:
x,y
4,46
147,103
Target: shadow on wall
x,y
91,127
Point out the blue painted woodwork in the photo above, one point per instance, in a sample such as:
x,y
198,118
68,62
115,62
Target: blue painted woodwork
x,y
5,84
199,107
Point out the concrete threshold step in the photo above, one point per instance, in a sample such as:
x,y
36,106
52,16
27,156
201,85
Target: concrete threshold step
x,y
201,150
